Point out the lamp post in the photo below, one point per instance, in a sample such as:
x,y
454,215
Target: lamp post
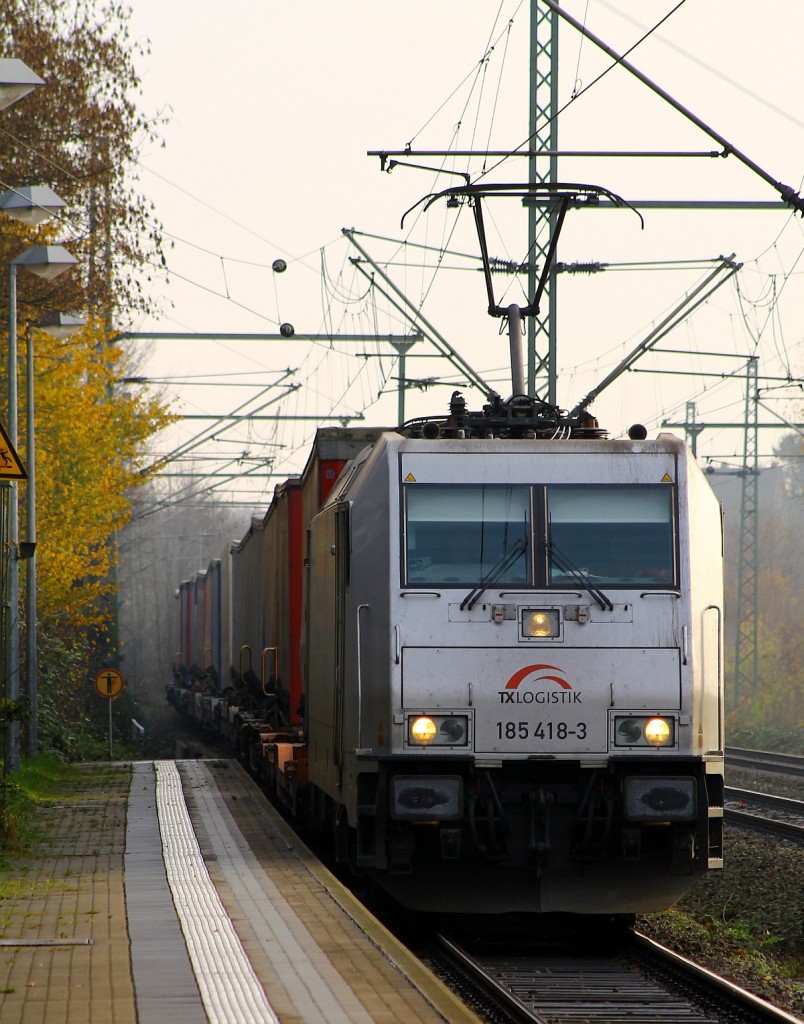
x,y
16,81
47,261
58,325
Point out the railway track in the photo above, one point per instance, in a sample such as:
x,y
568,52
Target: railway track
x,y
765,761
780,815
637,981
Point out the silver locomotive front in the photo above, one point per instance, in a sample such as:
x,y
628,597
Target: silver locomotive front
x,y
526,672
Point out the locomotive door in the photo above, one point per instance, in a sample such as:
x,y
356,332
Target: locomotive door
x,y
341,585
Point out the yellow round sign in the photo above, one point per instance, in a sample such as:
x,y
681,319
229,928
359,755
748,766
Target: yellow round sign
x,y
109,683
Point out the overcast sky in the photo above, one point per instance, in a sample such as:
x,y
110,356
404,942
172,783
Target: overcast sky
x,y
272,108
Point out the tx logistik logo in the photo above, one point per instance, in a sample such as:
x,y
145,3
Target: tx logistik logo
x,y
539,674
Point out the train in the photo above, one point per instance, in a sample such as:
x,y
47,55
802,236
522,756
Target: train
x,y
481,654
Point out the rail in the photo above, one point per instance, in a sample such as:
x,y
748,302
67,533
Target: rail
x,y
632,979
765,760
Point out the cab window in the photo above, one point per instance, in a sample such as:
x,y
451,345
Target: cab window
x,y
457,535
618,536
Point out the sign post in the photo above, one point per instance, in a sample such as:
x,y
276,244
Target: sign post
x,y
109,683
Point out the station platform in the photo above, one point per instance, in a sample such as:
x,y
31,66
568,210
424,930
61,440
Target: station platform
x,y
173,892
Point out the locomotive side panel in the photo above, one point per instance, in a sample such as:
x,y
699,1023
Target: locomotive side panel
x,y
324,715
705,571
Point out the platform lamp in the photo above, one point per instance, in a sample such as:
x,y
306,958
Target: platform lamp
x,y
31,204
47,261
58,325
16,81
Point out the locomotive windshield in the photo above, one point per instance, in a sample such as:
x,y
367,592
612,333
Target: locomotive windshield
x,y
457,535
613,535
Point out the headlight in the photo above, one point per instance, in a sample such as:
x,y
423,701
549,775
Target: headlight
x,y
423,730
660,799
438,730
658,732
644,731
540,623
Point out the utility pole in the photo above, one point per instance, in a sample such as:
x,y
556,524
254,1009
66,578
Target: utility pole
x,y
542,219
746,651
746,647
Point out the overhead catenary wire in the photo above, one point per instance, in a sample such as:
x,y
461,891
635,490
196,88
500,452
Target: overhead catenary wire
x,y
319,391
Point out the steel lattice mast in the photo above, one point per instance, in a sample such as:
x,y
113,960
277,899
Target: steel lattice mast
x,y
746,648
543,130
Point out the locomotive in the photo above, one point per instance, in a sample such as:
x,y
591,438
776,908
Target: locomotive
x,y
482,653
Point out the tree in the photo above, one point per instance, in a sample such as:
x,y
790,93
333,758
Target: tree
x,y
90,453
790,453
79,133
769,713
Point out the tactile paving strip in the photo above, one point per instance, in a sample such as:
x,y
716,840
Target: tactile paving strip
x,y
229,987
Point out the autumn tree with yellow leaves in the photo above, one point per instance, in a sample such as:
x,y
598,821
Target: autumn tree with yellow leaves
x,y
90,454
79,133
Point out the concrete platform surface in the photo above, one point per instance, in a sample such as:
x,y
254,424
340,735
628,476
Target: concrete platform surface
x,y
172,892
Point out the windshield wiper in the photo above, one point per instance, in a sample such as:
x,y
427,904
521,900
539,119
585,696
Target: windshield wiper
x,y
499,567
566,566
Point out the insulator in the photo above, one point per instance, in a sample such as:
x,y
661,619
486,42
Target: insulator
x,y
580,268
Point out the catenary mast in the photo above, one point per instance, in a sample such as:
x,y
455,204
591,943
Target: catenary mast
x,y
542,219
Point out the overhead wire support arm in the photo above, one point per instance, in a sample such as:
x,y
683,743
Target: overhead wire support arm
x,y
422,167
219,427
419,321
386,154
223,336
253,417
787,192
726,267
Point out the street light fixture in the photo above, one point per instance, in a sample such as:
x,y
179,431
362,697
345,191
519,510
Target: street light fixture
x,y
47,261
31,204
16,81
58,325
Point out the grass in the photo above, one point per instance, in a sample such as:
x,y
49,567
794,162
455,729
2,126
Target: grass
x,y
739,940
741,948
41,782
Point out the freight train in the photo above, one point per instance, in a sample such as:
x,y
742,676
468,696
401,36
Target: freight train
x,y
483,654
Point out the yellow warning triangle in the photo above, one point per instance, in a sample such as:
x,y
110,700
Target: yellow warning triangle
x,y
667,479
10,466
410,479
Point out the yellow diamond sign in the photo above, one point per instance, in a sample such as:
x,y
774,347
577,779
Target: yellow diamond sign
x,y
10,466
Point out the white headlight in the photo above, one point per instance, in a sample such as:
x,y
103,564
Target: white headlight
x,y
644,731
540,623
426,730
423,730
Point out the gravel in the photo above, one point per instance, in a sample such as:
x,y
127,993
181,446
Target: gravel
x,y
746,922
